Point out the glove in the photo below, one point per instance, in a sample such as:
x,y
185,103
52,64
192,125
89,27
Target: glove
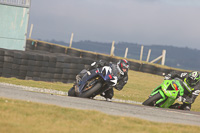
x,y
181,99
118,87
167,77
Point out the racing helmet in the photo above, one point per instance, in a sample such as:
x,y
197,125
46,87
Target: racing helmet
x,y
123,66
193,78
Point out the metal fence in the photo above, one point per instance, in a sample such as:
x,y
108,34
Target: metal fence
x,y
23,3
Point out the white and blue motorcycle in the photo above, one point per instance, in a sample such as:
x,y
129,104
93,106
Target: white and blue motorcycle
x,y
94,82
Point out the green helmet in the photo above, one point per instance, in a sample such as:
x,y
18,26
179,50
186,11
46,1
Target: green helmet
x,y
193,78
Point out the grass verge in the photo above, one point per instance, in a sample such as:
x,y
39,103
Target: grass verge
x,y
26,117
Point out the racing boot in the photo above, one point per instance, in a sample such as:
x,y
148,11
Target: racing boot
x,y
108,94
186,106
176,106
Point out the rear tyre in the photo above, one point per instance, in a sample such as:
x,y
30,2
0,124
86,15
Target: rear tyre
x,y
152,100
90,93
71,92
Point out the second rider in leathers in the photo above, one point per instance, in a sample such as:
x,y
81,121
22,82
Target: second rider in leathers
x,y
191,86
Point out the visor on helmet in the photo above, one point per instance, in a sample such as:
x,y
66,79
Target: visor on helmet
x,y
124,66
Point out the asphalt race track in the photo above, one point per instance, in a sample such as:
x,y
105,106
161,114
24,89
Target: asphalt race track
x,y
113,108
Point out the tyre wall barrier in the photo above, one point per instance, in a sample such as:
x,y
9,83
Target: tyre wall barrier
x,y
88,55
57,49
147,68
41,46
73,52
134,66
32,65
30,45
85,57
162,71
1,60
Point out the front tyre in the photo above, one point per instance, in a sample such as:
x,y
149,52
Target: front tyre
x,y
90,93
71,92
152,100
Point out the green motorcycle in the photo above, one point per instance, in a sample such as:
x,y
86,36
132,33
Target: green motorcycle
x,y
165,95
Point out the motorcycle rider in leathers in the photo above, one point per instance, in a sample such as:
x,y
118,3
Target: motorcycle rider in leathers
x,y
120,70
191,87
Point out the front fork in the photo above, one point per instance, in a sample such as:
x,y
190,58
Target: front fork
x,y
161,93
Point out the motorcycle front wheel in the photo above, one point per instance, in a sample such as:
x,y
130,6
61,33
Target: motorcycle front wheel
x,y
152,100
71,92
90,92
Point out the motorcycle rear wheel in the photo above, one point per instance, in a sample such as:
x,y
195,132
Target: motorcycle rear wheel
x,y
152,100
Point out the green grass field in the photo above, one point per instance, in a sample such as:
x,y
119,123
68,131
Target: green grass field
x,y
27,117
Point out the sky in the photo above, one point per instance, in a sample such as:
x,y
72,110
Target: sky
x,y
147,22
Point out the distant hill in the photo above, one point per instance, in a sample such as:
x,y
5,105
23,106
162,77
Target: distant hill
x,y
184,58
